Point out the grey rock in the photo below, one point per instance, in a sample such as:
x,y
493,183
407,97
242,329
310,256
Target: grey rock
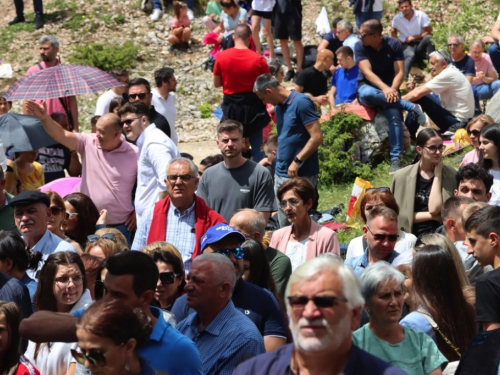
x,y
374,139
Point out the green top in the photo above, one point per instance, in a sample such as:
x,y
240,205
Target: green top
x,y
214,8
7,223
281,269
417,354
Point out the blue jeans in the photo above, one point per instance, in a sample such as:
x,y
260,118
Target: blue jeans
x,y
486,91
494,52
372,97
256,143
362,17
128,234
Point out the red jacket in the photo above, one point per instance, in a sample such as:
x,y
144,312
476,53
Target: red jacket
x,y
205,218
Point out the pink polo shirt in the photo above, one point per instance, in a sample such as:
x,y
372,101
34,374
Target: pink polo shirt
x,y
483,65
108,177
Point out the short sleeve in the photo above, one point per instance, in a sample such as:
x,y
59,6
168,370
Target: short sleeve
x,y
398,50
470,68
426,22
242,14
328,37
306,111
488,298
335,77
498,18
174,23
440,82
274,323
301,78
81,143
359,52
264,199
431,356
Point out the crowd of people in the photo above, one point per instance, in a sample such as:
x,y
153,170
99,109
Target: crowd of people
x,y
159,265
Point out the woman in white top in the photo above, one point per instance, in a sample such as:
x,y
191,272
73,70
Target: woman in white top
x,y
489,143
381,196
474,128
61,288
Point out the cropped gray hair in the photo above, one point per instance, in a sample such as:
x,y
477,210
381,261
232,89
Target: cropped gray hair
x,y
379,272
459,38
49,38
345,25
315,266
441,55
265,81
223,269
192,166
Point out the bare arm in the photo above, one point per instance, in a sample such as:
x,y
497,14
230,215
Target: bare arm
x,y
399,69
272,343
299,88
310,147
48,326
419,217
490,326
495,31
436,197
217,81
323,45
437,371
417,93
413,38
73,108
394,32
469,78
75,167
331,96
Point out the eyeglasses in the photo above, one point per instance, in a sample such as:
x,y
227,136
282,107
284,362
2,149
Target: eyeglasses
x,y
168,277
293,202
105,236
379,189
139,96
434,149
319,301
64,280
184,178
129,121
474,132
56,210
69,215
95,357
238,252
364,35
453,45
382,237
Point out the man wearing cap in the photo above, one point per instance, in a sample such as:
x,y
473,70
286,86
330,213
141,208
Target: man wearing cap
x,y
258,304
31,211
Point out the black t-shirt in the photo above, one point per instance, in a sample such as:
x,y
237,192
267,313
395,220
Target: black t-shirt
x,y
313,81
54,160
422,194
466,66
159,120
488,298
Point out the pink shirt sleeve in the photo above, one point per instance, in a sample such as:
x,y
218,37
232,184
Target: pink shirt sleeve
x,y
174,23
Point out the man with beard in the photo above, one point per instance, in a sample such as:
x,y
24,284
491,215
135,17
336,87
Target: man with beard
x,y
324,304
237,182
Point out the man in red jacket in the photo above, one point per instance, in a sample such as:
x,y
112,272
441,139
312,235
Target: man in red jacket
x,y
181,218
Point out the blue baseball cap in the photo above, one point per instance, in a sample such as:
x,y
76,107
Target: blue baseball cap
x,y
218,232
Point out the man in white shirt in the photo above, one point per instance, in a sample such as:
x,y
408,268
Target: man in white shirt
x,y
155,151
454,90
415,33
102,106
164,97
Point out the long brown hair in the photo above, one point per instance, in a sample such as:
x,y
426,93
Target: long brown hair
x,y
87,217
12,315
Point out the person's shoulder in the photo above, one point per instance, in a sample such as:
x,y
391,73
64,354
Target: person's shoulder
x,y
329,36
375,364
492,277
403,172
263,364
354,261
397,17
392,42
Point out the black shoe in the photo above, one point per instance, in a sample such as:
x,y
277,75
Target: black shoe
x,y
289,75
38,22
17,20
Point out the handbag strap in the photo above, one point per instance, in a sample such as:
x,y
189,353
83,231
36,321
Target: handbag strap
x,y
436,328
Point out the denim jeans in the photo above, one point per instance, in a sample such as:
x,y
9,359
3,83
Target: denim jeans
x,y
256,143
370,96
37,5
486,91
362,17
439,115
416,51
494,52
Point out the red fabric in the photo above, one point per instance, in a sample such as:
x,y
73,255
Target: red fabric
x,y
365,113
26,368
334,226
239,68
205,218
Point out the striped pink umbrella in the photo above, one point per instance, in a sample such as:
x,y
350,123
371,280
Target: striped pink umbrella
x,y
61,81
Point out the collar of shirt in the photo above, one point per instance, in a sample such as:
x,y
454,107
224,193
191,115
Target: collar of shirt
x,y
390,258
142,137
290,98
43,241
189,211
160,325
217,325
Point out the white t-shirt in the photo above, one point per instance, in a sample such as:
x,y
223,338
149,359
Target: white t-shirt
x,y
455,92
377,5
263,5
296,251
167,109
414,26
495,189
102,106
405,242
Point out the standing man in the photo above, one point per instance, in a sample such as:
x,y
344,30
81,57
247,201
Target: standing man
x,y
48,46
365,10
299,133
102,106
237,182
236,70
164,98
415,33
459,59
485,81
155,151
37,4
312,80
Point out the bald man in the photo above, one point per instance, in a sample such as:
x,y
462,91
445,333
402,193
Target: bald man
x,y
312,80
109,165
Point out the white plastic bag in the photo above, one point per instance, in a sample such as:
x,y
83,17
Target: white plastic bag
x,y
6,71
322,23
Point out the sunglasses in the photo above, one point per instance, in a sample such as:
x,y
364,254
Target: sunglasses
x,y
238,252
382,237
95,357
364,35
168,277
379,189
105,236
453,45
129,121
474,132
184,178
293,202
69,215
319,301
56,210
139,96
434,149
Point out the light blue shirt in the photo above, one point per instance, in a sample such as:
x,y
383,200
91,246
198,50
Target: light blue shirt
x,y
358,264
351,41
231,23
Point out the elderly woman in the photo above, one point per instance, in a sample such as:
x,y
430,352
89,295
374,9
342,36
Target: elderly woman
x,y
416,353
304,239
380,196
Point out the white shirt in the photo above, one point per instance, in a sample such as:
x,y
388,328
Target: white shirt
x,y
495,189
455,92
167,109
102,106
155,151
414,26
296,251
405,242
377,5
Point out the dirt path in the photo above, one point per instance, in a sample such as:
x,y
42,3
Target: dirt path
x,y
199,150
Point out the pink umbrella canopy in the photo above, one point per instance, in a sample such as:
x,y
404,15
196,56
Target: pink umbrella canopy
x,y
61,81
63,186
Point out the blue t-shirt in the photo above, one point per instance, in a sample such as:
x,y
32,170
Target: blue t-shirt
x,y
292,117
346,82
466,66
382,61
12,290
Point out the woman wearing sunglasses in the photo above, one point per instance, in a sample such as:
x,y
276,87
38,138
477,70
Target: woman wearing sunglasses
x,y
120,239
489,159
80,218
427,180
102,246
109,337
304,239
373,197
416,353
474,128
56,220
61,288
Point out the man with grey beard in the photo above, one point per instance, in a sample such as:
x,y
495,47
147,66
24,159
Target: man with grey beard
x,y
324,304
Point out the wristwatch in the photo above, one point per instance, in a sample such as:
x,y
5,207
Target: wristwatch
x,y
297,160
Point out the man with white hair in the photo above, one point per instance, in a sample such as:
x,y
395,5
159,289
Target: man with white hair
x,y
324,303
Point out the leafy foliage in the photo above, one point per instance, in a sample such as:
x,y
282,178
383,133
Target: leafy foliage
x,y
106,57
205,109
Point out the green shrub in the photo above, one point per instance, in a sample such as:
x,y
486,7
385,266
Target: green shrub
x,y
206,110
106,57
336,164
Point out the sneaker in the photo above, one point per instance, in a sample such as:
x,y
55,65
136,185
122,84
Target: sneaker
x,y
38,22
147,5
156,15
190,14
395,166
186,47
17,20
289,75
173,47
420,115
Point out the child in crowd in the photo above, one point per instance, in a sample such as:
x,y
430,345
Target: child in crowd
x,y
93,123
180,31
115,105
270,148
24,173
5,105
212,18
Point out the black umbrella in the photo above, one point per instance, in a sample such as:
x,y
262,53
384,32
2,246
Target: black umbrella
x,y
23,133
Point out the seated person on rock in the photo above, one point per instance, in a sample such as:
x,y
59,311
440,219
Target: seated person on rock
x,y
180,31
345,33
345,79
486,81
459,59
331,42
312,80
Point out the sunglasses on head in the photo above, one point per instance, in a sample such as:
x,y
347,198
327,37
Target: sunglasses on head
x,y
105,236
238,252
474,132
95,357
319,301
382,237
69,215
139,96
379,189
168,277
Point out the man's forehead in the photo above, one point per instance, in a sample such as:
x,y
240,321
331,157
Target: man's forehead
x,y
179,165
474,182
22,207
322,281
137,88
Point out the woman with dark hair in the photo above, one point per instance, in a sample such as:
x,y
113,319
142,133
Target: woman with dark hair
x,y
61,288
110,335
474,128
11,360
256,266
115,104
81,217
437,288
373,197
55,221
429,181
304,239
93,267
489,158
208,162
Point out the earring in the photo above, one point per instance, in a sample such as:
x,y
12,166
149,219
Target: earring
x,y
127,366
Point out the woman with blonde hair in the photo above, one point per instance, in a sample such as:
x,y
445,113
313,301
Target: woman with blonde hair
x,y
102,247
119,238
474,128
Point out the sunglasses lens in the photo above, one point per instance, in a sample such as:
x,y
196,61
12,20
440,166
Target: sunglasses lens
x,y
325,301
298,301
93,237
238,252
80,358
109,236
97,359
392,238
167,278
